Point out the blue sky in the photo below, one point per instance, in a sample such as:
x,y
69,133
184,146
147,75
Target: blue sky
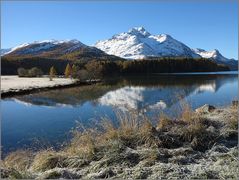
x,y
204,24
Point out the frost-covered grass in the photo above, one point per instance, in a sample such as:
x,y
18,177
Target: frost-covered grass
x,y
202,146
15,83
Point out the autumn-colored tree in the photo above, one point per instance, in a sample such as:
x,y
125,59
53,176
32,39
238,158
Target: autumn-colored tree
x,y
83,75
94,69
52,72
74,71
68,71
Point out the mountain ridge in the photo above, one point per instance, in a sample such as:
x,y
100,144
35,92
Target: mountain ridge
x,y
138,43
57,49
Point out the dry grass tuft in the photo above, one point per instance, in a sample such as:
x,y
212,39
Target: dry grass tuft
x,y
147,134
165,123
83,145
150,156
128,123
134,131
198,136
188,115
192,131
233,120
47,159
110,132
19,160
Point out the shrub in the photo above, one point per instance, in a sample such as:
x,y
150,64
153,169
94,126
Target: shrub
x,y
35,72
83,75
22,72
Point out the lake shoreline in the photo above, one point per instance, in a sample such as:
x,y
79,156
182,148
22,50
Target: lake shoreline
x,y
28,88
41,86
201,144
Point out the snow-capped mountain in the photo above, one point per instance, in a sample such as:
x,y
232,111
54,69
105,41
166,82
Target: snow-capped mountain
x,y
44,54
137,43
41,47
214,54
58,49
54,47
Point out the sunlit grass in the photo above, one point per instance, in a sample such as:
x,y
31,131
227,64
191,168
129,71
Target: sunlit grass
x,y
132,131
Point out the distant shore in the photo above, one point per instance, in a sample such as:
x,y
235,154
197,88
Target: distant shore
x,y
200,73
14,85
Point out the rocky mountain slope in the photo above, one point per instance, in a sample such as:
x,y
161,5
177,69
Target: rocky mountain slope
x,y
47,53
55,49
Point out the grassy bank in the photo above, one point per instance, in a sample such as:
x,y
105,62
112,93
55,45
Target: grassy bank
x,y
198,144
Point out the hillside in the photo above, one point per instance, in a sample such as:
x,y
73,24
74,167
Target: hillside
x,y
136,44
44,54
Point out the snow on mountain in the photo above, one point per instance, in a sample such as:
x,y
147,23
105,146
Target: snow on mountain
x,y
57,47
207,87
5,51
43,45
140,98
214,54
123,98
36,46
137,43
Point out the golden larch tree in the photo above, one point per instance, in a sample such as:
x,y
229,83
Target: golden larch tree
x,y
68,71
52,72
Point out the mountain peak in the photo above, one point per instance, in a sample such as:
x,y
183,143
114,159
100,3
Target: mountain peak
x,y
43,45
139,31
213,54
137,43
216,51
39,47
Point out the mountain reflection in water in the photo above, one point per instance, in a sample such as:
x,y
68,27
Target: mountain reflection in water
x,y
134,93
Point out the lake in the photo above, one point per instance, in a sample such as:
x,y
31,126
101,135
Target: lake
x,y
45,119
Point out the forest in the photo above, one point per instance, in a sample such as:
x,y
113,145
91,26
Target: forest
x,y
103,68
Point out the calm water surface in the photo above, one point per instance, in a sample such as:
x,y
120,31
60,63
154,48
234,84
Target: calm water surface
x,y
45,119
